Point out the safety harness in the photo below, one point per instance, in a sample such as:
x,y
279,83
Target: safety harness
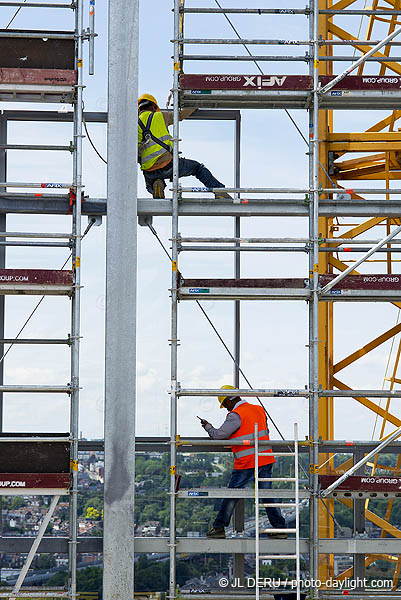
x,y
147,134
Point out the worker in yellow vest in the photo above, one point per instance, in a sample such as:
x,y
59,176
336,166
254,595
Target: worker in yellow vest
x,y
238,426
155,147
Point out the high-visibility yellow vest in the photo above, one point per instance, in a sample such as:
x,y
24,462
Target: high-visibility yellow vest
x,y
154,139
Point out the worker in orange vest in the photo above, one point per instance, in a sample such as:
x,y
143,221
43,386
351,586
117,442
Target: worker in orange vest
x,y
238,426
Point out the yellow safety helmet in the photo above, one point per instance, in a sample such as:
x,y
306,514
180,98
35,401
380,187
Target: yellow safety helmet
x,y
149,98
222,398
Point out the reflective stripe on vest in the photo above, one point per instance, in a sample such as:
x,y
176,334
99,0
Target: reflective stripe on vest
x,y
244,457
240,438
151,130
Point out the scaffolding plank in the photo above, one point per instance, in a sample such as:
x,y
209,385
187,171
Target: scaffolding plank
x,y
207,493
10,482
286,82
364,282
36,281
292,91
365,483
35,457
18,47
44,77
372,287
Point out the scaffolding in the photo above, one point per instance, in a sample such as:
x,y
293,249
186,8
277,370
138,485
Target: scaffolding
x,y
52,72
319,91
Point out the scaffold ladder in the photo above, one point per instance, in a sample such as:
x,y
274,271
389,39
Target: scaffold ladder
x,y
258,505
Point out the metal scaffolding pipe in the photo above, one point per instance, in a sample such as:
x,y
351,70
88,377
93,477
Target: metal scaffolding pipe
x,y
396,434
358,62
321,191
245,392
341,276
72,5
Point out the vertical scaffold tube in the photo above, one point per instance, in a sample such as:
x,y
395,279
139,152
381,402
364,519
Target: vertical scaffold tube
x,y
76,300
310,306
314,342
257,520
174,307
91,37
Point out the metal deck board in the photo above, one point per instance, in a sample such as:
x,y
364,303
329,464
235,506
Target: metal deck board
x,y
36,281
288,91
372,287
207,493
366,483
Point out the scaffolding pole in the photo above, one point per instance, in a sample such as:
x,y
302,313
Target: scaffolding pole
x,y
359,62
396,434
76,300
314,306
363,258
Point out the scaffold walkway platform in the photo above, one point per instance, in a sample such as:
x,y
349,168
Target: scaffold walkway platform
x,y
36,282
288,91
371,288
37,66
368,486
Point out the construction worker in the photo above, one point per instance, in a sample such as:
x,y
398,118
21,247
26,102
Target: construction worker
x,y
155,146
240,425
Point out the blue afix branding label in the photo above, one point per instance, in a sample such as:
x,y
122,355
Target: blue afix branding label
x,y
336,93
193,493
335,292
199,290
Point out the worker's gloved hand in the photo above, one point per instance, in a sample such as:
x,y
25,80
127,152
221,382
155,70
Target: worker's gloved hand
x,y
204,423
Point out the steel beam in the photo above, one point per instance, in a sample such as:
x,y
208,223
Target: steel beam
x,y
93,544
49,545
272,207
121,283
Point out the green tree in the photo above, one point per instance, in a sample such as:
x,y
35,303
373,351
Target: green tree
x,y
17,502
45,561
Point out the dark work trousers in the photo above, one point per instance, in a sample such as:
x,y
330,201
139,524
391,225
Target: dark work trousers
x,y
186,167
239,478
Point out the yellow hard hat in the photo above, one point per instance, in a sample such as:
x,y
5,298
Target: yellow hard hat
x,y
222,398
150,98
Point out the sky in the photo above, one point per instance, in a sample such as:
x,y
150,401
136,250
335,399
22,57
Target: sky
x,y
274,335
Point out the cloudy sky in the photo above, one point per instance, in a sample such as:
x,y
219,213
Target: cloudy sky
x,y
274,335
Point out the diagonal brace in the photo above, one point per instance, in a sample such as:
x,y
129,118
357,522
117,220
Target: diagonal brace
x,y
358,62
361,462
34,547
341,276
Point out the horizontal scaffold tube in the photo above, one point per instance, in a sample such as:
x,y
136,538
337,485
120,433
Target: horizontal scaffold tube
x,y
289,190
295,393
244,392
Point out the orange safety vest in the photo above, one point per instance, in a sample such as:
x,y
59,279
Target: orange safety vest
x,y
244,453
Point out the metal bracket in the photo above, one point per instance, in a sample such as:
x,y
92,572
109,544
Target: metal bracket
x,y
145,220
342,197
95,220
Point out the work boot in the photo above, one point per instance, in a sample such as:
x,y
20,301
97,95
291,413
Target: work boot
x,y
158,189
273,535
222,196
216,533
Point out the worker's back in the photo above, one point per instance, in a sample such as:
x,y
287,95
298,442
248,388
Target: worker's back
x,y
244,454
152,147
